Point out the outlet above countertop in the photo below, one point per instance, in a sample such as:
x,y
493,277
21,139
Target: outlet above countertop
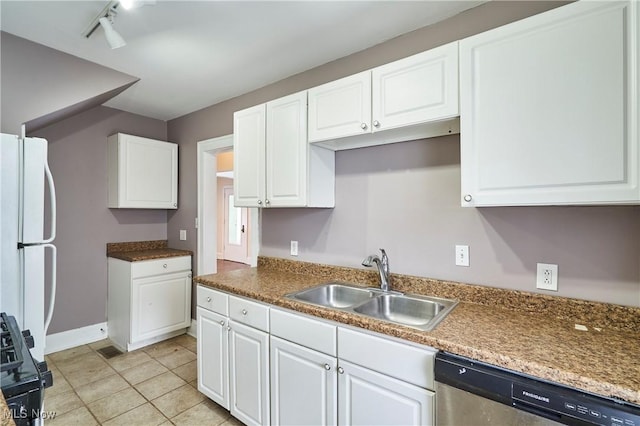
x,y
525,332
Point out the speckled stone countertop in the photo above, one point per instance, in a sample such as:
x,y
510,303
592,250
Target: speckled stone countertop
x,y
5,414
530,333
137,251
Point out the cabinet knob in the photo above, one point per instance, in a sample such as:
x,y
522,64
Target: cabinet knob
x,y
267,202
327,367
376,123
208,299
228,328
363,126
468,198
164,265
259,202
244,312
175,204
190,275
221,322
340,370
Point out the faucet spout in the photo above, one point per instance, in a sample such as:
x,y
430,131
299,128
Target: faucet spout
x,y
383,268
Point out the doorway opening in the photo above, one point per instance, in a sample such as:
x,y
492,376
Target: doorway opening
x,y
218,238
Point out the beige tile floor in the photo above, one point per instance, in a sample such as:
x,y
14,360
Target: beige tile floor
x,y
155,385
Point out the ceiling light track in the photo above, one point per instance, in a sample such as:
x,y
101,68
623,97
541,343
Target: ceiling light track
x,y
109,10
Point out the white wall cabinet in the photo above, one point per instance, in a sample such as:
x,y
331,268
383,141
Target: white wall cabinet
x,y
142,173
148,301
412,96
549,108
274,166
233,354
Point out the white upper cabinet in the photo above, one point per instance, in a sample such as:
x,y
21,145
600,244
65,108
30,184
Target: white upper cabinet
x,y
274,166
142,173
411,96
549,108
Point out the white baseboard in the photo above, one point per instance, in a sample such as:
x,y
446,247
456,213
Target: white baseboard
x,y
193,330
76,337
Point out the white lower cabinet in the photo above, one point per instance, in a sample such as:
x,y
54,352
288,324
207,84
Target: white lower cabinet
x,y
371,398
148,301
272,366
303,385
233,354
249,374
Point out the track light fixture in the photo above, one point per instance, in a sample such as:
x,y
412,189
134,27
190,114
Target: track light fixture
x,y
105,20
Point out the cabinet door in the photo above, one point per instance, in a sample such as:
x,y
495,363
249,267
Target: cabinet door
x,y
160,304
549,108
303,385
340,108
248,374
249,156
286,152
422,87
370,398
147,173
213,356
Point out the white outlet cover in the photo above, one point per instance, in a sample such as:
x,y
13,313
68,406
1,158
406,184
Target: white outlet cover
x,y
462,255
294,248
183,235
547,276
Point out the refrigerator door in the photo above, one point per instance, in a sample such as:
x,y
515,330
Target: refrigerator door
x,y
33,166
11,295
32,263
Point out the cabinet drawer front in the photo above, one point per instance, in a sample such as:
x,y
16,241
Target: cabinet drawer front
x,y
213,300
304,331
404,362
250,313
169,265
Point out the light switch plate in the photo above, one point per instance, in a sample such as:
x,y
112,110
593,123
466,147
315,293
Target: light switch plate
x,y
462,255
183,235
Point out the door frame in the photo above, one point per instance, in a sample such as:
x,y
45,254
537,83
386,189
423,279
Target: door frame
x,y
207,218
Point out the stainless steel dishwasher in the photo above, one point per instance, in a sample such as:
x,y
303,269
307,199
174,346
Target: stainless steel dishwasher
x,y
474,393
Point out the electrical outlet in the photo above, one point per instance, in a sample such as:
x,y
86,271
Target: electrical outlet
x,y
183,235
294,248
462,255
547,276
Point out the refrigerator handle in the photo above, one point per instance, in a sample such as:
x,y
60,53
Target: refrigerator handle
x,y
52,199
52,298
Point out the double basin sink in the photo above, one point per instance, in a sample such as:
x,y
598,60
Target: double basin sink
x,y
410,310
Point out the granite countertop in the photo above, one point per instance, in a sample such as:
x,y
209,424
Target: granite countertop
x,y
525,332
5,414
137,251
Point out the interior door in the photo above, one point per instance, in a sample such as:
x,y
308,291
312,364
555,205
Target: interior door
x,y
235,246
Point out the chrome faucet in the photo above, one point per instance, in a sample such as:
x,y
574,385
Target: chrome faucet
x,y
383,268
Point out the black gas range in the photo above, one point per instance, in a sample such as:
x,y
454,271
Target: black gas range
x,y
22,379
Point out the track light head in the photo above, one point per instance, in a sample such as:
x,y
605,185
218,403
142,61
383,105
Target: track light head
x,y
114,39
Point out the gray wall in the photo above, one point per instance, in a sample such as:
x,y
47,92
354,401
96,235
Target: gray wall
x,y
41,85
405,197
77,156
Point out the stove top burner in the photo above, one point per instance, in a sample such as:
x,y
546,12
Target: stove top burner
x,y
10,357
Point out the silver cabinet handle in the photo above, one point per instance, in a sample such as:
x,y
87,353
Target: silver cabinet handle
x,y
259,202
340,370
468,198
244,312
376,123
267,202
363,126
175,204
327,367
228,328
164,266
221,322
208,299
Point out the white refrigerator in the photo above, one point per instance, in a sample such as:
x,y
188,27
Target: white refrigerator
x,y
24,172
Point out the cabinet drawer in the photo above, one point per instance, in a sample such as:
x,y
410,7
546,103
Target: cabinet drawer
x,y
404,362
212,300
168,265
249,313
304,331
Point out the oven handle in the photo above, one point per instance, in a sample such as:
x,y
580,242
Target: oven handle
x,y
52,298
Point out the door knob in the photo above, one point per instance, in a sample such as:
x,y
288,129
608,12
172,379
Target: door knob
x,y
242,229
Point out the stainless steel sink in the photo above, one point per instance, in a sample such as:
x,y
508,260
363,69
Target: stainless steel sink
x,y
421,312
335,295
414,311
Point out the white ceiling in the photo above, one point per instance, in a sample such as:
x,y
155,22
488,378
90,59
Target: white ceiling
x,y
192,54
